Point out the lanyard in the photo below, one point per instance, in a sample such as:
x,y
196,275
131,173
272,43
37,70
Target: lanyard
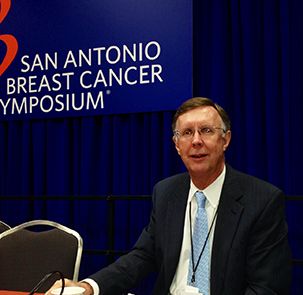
x,y
192,247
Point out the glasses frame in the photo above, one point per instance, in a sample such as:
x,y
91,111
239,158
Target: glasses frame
x,y
177,132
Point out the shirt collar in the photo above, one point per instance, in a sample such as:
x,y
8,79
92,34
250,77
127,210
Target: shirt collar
x,y
212,192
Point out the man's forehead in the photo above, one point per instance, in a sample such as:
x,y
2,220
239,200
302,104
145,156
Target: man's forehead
x,y
200,115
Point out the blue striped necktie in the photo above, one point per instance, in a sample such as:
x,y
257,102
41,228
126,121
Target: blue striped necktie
x,y
198,239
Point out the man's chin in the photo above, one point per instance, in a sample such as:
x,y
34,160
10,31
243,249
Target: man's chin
x,y
198,171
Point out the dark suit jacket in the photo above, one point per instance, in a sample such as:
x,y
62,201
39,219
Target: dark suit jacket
x,y
250,252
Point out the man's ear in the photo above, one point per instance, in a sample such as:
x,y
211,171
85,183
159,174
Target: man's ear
x,y
176,144
226,139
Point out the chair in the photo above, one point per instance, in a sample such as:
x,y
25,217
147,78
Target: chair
x,y
27,256
3,226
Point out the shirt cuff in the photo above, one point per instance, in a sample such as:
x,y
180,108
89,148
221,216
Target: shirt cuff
x,y
94,285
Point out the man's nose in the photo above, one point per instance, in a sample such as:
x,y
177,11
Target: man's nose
x,y
197,139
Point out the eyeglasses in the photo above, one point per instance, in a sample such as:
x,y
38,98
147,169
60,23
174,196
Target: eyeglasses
x,y
205,132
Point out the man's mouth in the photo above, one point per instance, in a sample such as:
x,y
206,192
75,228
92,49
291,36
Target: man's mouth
x,y
197,156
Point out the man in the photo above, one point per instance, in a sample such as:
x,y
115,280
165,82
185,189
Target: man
x,y
246,249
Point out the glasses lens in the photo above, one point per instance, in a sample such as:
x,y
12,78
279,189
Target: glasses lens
x,y
204,132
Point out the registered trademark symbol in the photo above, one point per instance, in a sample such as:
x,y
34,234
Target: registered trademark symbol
x,y
108,92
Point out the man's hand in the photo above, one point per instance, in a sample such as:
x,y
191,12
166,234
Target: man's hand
x,y
68,283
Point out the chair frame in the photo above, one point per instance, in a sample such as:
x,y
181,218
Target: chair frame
x,y
4,226
56,225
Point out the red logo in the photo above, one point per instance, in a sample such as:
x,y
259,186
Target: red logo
x,y
9,40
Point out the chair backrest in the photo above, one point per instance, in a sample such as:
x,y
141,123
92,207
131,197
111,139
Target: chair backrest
x,y
26,256
3,226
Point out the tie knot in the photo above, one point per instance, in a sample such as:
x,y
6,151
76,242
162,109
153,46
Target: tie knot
x,y
200,197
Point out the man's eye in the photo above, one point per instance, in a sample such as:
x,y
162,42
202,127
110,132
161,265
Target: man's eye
x,y
188,132
206,130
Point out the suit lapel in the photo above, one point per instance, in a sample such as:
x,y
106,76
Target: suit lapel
x,y
174,228
229,213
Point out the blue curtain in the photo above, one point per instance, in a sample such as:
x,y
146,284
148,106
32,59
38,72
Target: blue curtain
x,y
248,57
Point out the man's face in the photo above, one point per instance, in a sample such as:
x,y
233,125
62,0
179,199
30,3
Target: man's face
x,y
203,157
